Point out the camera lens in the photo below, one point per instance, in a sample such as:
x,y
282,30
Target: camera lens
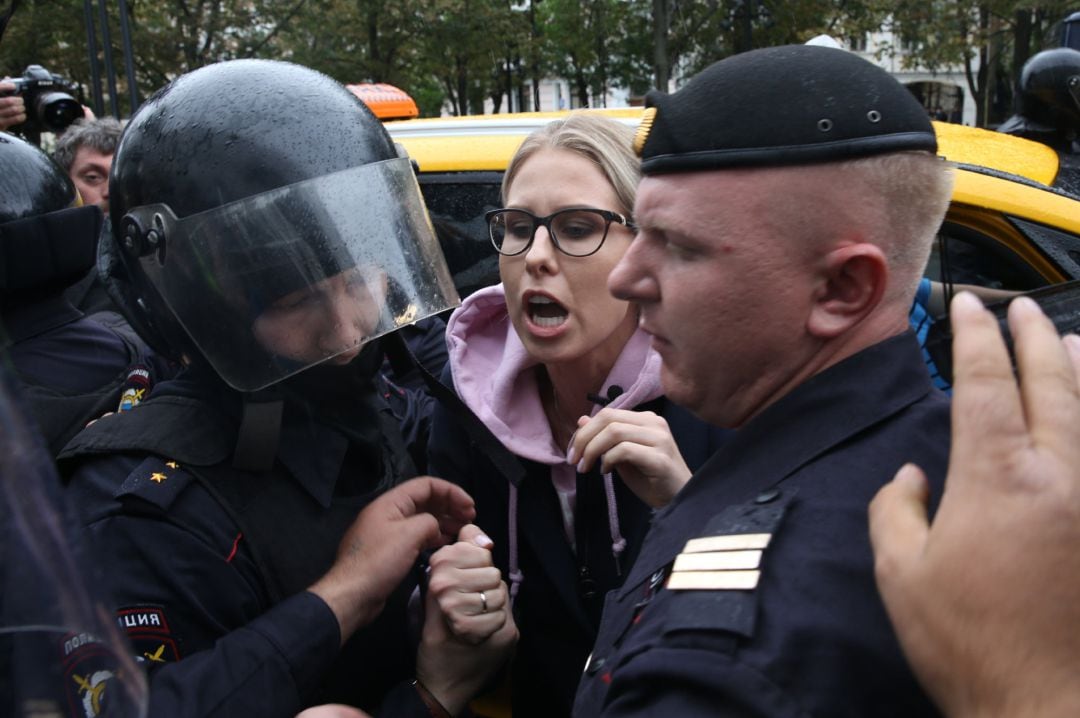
x,y
57,110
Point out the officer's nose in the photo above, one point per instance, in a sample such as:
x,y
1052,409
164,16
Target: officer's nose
x,y
632,278
344,325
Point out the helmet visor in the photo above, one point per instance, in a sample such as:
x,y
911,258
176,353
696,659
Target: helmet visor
x,y
275,283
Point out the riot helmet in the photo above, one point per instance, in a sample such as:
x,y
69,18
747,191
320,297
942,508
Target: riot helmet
x,y
47,239
1050,90
263,222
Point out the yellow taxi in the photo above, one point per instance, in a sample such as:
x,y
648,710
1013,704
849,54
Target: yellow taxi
x,y
1008,227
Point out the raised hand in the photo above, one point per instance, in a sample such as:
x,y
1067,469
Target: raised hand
x,y
637,443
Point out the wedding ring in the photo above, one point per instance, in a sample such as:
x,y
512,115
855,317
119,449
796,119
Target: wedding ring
x,y
483,602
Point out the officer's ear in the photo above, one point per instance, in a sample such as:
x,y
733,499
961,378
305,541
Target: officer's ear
x,y
852,281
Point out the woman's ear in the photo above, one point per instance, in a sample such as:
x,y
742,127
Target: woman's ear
x,y
853,279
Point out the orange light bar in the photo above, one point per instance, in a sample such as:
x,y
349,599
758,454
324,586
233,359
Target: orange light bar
x,y
386,101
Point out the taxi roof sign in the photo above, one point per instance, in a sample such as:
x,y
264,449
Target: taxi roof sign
x,y
386,101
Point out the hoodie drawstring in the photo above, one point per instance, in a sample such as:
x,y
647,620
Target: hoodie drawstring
x,y
618,543
516,577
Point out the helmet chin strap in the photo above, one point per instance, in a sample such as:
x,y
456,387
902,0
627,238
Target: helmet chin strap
x,y
260,430
333,394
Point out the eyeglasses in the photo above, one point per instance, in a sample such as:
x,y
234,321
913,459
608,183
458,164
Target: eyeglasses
x,y
576,232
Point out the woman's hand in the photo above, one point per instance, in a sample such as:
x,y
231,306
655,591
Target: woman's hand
x,y
639,445
467,588
469,632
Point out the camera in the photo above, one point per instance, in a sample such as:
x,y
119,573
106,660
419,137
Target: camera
x,y
50,105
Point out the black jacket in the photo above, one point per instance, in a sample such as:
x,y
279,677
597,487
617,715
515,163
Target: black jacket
x,y
560,600
207,564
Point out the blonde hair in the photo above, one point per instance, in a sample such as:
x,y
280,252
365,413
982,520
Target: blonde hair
x,y
602,140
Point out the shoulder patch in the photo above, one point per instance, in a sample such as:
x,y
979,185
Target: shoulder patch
x,y
90,666
157,481
148,632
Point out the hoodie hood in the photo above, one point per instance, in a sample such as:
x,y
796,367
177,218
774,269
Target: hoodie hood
x,y
493,375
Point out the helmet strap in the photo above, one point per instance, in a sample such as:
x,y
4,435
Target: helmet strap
x,y
260,430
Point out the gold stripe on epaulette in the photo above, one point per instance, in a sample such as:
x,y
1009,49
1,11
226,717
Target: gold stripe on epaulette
x,y
642,134
734,542
713,580
717,561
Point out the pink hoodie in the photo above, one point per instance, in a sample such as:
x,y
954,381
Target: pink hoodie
x,y
493,376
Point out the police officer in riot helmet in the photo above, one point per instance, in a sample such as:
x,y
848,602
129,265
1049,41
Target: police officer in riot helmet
x,y
1048,100
1048,109
72,367
267,235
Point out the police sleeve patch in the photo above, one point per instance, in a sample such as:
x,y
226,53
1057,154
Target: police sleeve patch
x,y
92,672
89,669
148,632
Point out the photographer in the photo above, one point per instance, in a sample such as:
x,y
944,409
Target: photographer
x,y
38,101
12,107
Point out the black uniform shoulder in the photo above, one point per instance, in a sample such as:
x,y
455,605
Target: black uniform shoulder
x,y
154,484
186,429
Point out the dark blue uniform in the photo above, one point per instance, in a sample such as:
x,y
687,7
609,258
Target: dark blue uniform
x,y
207,564
812,638
72,367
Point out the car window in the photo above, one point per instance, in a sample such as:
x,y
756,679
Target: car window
x,y
457,202
967,256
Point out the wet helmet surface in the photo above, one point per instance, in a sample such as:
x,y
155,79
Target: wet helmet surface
x,y
31,184
263,222
1050,89
47,241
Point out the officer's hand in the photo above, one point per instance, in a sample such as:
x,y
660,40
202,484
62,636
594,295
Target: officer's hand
x,y
452,668
637,443
986,600
12,107
467,588
385,541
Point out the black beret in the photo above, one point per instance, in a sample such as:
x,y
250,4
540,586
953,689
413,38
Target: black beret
x,y
790,105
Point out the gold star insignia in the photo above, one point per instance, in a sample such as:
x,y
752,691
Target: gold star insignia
x,y
158,477
172,464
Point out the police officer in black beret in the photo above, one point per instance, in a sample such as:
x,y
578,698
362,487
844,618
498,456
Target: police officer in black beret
x,y
255,513
787,211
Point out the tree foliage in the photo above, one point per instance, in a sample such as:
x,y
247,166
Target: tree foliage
x,y
463,55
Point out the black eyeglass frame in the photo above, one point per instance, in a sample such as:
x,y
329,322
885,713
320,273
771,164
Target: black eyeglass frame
x,y
545,222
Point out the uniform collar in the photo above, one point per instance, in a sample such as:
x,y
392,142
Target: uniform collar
x,y
823,412
312,452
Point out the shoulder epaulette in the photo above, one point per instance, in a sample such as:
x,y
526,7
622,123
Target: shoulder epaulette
x,y
156,481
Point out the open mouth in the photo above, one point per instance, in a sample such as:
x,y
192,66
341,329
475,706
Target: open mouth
x,y
545,311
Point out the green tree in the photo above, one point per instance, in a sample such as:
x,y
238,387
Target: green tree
x,y
989,39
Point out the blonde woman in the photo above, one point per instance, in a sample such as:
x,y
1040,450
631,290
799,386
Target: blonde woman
x,y
534,357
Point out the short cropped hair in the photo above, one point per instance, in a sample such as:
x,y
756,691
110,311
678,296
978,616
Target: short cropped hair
x,y
915,188
100,134
604,141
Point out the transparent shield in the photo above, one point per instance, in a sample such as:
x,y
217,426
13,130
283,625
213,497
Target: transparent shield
x,y
61,653
276,283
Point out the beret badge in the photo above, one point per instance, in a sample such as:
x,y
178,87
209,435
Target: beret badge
x,y
642,134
